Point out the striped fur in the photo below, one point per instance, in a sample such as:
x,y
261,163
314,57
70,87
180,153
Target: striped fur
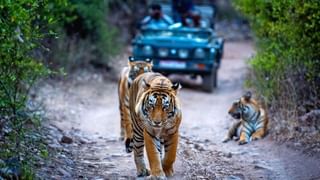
x,y
156,116
127,76
253,120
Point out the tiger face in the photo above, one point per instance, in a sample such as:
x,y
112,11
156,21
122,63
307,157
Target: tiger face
x,y
235,110
158,109
138,67
243,107
159,102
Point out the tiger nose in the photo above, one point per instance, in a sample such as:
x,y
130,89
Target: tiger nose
x,y
157,122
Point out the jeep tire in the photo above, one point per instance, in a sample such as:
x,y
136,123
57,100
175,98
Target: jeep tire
x,y
209,81
215,79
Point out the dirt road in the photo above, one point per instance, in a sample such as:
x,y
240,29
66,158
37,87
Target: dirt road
x,y
86,110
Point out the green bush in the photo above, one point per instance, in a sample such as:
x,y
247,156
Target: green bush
x,y
23,24
84,36
288,37
286,69
28,30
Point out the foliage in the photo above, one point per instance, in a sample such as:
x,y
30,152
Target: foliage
x,y
85,34
23,23
28,30
288,35
286,67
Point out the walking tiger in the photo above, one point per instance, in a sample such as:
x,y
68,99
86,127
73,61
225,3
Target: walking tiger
x,y
156,117
128,74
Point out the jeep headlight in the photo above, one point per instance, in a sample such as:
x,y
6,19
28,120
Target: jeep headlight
x,y
163,52
183,53
147,50
199,53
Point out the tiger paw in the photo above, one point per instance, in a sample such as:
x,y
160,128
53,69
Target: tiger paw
x,y
152,177
143,173
242,142
168,171
236,138
129,145
254,138
226,140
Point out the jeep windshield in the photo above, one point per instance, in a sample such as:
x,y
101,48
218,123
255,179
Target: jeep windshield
x,y
189,33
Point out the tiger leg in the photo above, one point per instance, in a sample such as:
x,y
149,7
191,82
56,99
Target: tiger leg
x,y
258,134
161,147
243,138
245,133
153,149
232,132
138,147
261,128
122,102
126,125
122,128
260,131
125,118
170,146
128,135
121,120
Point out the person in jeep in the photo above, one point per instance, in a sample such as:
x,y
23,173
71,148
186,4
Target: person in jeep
x,y
156,19
184,12
182,9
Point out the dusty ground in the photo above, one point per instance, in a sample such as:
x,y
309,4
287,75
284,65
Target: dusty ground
x,y
85,109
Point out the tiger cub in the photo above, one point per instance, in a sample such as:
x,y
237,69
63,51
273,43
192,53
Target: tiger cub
x,y
156,117
128,74
253,120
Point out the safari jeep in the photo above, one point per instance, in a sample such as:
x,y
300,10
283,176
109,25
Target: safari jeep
x,y
179,49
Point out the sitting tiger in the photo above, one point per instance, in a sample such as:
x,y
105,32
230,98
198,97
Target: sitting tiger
x,y
156,116
253,120
128,74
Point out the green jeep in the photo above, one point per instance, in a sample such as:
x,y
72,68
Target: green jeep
x,y
185,50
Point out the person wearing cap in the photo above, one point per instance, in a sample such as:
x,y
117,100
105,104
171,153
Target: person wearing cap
x,y
156,19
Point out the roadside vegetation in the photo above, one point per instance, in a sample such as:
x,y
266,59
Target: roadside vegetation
x,y
286,69
23,25
83,36
37,40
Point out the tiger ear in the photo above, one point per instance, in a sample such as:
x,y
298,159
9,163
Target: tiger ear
x,y
131,59
148,60
247,96
176,86
145,84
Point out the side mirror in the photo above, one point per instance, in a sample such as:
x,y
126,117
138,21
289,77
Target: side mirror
x,y
131,59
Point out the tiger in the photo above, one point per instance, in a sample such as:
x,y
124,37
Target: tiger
x,y
135,67
156,117
253,120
